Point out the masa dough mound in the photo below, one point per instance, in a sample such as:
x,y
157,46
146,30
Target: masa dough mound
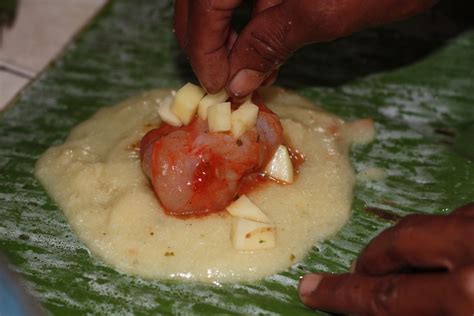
x,y
96,179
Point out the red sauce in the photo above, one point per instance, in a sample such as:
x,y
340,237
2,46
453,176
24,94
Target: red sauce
x,y
334,129
202,176
297,159
205,181
204,184
252,182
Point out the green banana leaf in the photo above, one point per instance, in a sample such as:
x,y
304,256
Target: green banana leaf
x,y
416,79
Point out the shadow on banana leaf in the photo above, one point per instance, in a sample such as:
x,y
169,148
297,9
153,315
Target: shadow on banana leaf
x,y
378,50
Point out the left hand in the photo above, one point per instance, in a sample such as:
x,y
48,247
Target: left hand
x,y
424,265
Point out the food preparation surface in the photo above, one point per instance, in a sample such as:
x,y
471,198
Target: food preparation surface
x,y
418,107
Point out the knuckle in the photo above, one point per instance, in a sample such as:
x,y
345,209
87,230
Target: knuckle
x,y
465,282
407,225
270,47
386,294
463,292
322,19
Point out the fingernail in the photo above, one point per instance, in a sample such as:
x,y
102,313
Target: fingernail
x,y
238,101
231,40
203,85
245,82
352,269
209,87
308,284
270,79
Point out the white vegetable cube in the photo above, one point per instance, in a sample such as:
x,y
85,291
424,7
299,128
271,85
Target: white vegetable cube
x,y
281,167
186,102
210,99
243,118
250,235
243,207
164,110
218,117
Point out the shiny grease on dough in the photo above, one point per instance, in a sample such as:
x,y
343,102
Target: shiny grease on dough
x,y
96,179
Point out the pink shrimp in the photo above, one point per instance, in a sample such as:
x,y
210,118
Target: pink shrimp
x,y
195,172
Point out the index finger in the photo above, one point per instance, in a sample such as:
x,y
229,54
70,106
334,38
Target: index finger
x,y
207,36
357,294
420,241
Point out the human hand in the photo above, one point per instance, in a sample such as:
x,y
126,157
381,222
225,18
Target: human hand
x,y
424,265
221,58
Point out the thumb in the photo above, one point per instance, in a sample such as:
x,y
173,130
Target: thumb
x,y
270,38
260,49
397,294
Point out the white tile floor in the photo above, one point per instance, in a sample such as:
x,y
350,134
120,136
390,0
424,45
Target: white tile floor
x,y
10,85
40,32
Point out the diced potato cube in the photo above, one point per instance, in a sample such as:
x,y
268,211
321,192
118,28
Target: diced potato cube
x,y
186,102
245,208
243,118
210,99
218,117
281,167
250,235
166,114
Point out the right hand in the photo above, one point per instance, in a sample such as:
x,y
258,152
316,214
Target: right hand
x,y
221,58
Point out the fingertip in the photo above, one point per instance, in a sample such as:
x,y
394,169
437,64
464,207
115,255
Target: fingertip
x,y
307,286
245,82
211,87
239,101
212,78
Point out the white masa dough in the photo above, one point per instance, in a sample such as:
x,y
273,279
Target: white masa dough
x,y
96,179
